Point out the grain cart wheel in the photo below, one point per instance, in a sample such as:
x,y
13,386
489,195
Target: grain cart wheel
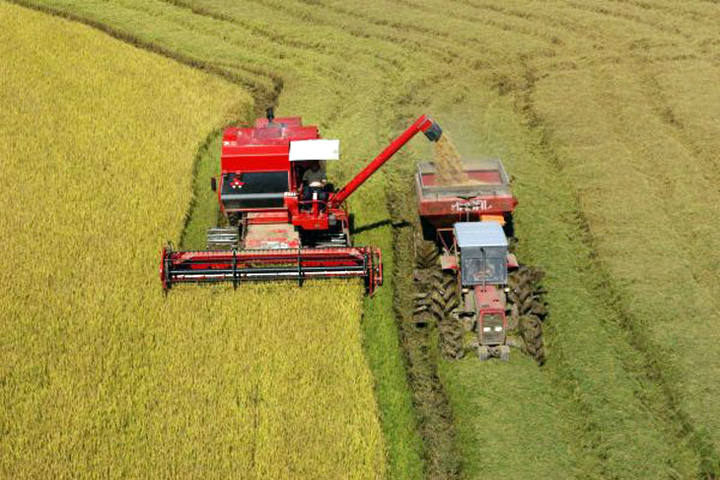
x,y
531,332
445,298
426,254
526,297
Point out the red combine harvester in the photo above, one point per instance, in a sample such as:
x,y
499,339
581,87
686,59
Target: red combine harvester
x,y
273,234
468,279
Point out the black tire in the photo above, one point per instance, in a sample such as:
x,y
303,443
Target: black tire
x,y
527,292
426,255
504,353
527,298
531,331
509,226
445,298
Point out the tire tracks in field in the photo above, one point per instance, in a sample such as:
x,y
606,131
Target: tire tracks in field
x,y
390,39
655,369
265,34
504,26
625,17
693,17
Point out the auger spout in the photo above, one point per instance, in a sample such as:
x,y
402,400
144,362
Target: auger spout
x,y
423,124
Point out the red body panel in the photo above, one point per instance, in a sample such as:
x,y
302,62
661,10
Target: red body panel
x,y
445,211
489,297
272,216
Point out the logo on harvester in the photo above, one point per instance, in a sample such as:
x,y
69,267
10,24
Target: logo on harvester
x,y
474,205
236,184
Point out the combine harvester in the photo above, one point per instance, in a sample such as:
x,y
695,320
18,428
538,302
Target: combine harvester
x,y
467,279
272,233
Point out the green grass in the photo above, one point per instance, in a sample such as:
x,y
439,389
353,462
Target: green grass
x,y
593,365
607,116
203,212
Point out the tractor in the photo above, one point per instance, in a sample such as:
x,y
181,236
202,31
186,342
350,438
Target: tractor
x,y
468,280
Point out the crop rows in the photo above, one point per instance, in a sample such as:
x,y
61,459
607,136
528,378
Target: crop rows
x,y
102,375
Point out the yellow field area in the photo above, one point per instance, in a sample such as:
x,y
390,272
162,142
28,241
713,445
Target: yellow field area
x,y
100,373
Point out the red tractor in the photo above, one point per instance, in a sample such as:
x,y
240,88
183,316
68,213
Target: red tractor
x,y
273,233
468,279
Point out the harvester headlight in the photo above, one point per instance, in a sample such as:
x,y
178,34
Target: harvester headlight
x,y
486,329
498,329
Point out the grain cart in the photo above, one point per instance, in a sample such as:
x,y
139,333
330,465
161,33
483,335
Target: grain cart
x,y
469,281
270,232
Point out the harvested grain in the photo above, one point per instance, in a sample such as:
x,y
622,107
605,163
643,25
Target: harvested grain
x,y
447,162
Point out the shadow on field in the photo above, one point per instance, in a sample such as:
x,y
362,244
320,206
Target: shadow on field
x,y
382,223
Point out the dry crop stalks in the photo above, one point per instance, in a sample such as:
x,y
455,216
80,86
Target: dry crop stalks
x,y
101,373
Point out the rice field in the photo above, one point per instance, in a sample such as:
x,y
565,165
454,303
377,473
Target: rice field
x,y
100,374
607,115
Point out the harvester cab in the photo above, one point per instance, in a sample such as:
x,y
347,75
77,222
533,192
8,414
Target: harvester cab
x,y
469,281
273,230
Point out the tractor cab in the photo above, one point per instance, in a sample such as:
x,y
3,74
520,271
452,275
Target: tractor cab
x,y
483,259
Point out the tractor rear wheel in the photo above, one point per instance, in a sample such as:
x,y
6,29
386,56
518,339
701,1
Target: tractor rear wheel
x,y
504,353
527,300
445,299
531,332
527,292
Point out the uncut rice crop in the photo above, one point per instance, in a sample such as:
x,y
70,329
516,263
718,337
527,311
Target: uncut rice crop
x,y
100,373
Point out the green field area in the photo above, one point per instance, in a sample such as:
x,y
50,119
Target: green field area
x,y
606,114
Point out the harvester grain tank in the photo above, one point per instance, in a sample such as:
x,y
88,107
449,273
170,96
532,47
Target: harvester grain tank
x,y
468,280
270,232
